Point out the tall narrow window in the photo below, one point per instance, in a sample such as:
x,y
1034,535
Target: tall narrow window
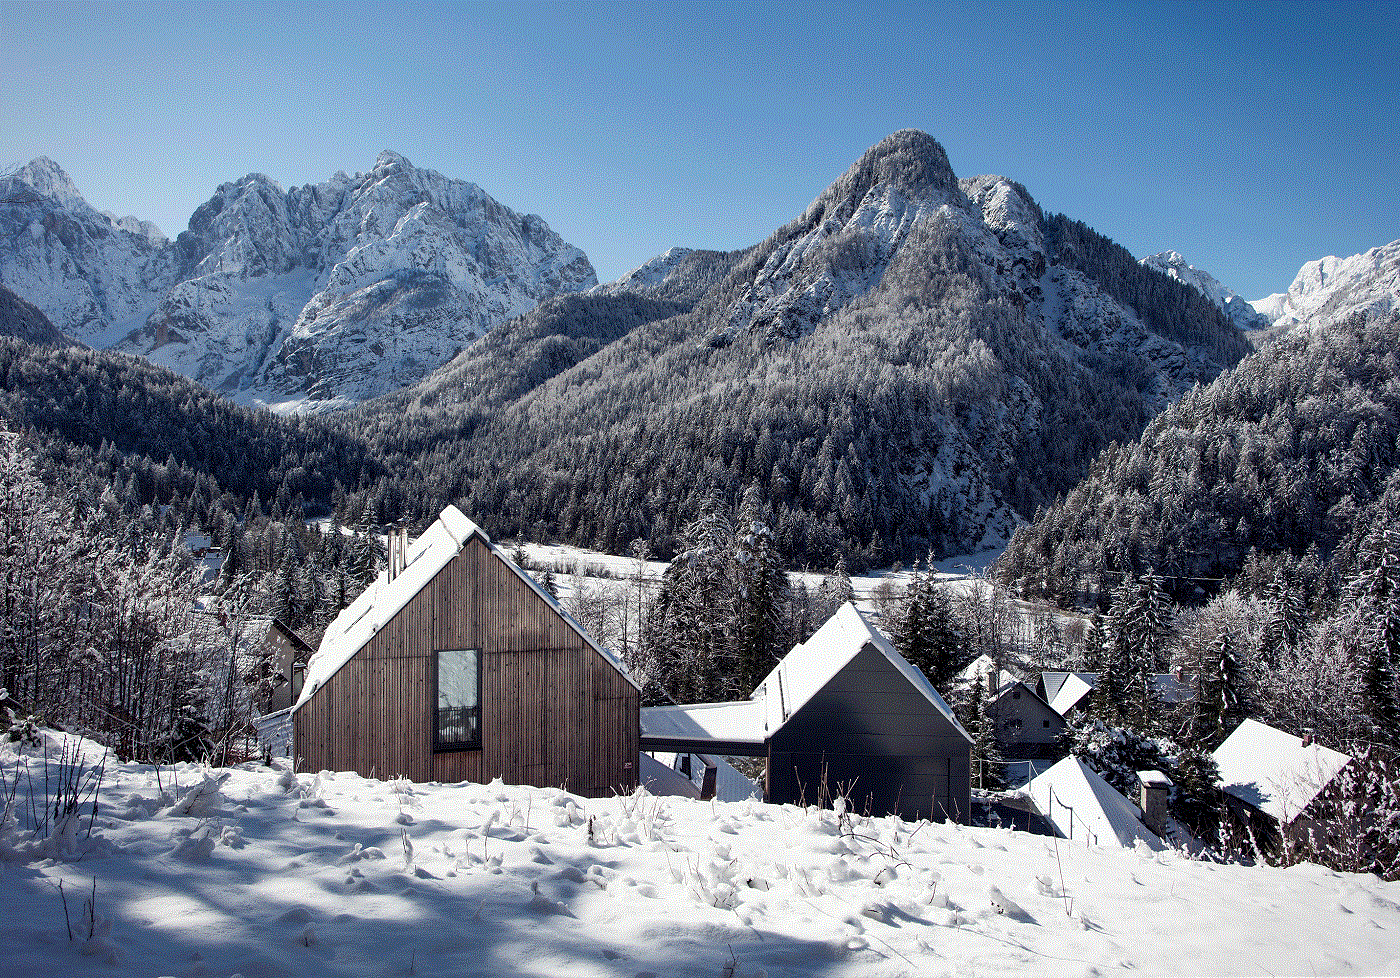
x,y
457,677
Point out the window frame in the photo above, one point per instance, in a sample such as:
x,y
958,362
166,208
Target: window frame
x,y
441,746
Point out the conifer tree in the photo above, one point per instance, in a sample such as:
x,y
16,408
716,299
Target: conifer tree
x,y
760,594
988,765
924,632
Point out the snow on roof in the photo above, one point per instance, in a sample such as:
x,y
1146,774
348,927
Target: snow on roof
x,y
1081,805
812,664
976,672
740,722
383,599
1071,690
1274,771
1064,690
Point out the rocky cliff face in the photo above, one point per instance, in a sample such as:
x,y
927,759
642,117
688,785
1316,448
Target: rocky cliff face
x,y
318,296
1241,312
1332,288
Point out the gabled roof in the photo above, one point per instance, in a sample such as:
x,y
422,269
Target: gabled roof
x,y
1274,771
1009,688
805,670
1081,804
382,600
1064,690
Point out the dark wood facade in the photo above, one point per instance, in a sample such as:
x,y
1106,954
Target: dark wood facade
x,y
555,712
874,738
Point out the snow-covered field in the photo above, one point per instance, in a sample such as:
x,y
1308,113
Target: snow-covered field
x,y
262,872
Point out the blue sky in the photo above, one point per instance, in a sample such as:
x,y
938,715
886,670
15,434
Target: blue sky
x,y
1251,138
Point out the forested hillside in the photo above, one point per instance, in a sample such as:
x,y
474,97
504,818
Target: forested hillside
x,y
908,366
26,322
1291,459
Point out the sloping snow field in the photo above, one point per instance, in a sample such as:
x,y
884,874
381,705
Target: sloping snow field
x,y
260,872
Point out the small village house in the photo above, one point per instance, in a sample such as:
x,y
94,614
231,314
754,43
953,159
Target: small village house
x,y
1285,779
842,714
455,665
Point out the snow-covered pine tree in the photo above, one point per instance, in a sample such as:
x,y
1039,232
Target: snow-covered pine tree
x,y
924,632
760,596
1376,593
988,765
687,636
1288,617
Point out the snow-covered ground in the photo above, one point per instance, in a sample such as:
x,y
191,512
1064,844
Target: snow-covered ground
x,y
261,872
566,562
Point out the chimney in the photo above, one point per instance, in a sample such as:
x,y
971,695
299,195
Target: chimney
x,y
1156,789
391,543
992,683
1307,737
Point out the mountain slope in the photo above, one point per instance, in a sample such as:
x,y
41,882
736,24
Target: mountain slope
x,y
25,322
1297,447
914,362
321,295
1331,289
1241,313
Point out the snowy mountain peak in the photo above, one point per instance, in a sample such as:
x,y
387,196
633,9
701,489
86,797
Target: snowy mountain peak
x,y
388,159
1241,312
1332,288
326,293
908,165
908,158
48,179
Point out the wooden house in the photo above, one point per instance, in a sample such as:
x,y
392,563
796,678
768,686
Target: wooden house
x,y
842,714
455,665
1286,781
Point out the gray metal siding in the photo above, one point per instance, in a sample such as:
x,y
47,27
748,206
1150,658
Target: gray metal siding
x,y
872,735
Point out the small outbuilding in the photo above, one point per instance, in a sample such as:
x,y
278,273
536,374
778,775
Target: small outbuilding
x,y
455,665
842,714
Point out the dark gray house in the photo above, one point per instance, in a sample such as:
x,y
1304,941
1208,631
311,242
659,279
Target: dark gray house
x,y
842,714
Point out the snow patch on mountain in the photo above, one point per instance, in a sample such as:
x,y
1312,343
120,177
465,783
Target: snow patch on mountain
x,y
1333,288
1241,313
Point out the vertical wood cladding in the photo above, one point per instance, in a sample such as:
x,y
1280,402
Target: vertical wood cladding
x,y
554,712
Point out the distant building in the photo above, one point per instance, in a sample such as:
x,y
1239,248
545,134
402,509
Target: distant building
x,y
1025,725
843,713
282,668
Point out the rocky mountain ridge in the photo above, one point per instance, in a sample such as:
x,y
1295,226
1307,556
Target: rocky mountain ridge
x,y
1240,311
1331,289
915,362
318,296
